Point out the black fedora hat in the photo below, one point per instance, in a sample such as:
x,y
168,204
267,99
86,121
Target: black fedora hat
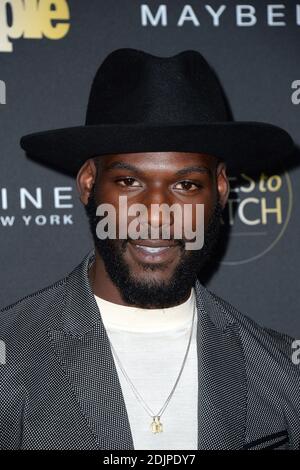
x,y
143,103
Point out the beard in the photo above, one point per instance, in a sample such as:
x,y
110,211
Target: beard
x,y
150,293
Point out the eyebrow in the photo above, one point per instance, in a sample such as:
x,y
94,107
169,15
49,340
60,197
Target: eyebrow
x,y
193,169
182,172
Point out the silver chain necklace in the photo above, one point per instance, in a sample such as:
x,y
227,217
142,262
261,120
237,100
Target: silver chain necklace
x,y
156,425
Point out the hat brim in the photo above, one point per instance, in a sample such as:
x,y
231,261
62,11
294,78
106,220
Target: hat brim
x,y
242,145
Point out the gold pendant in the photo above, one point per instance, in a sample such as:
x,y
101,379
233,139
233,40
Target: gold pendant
x,y
156,425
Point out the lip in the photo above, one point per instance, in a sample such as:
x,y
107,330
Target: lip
x,y
159,251
154,243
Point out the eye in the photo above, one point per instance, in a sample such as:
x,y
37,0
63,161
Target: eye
x,y
128,181
188,186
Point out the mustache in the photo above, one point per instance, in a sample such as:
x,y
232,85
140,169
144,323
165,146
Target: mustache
x,y
177,241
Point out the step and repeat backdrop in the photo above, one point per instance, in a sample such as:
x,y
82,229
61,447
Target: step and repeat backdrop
x,y
49,53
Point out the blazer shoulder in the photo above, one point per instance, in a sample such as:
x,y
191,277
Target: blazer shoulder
x,y
28,309
267,337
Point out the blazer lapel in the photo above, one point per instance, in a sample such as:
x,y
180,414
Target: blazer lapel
x,y
83,351
222,395
82,348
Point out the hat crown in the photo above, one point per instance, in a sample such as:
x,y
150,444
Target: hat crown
x,y
132,86
144,103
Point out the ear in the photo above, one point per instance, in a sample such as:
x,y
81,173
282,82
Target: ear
x,y
223,185
85,179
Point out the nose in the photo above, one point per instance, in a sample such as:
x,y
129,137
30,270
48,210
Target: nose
x,y
157,216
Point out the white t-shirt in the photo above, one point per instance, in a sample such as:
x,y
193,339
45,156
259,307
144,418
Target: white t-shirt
x,y
151,345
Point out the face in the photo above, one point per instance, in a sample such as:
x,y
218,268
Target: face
x,y
157,272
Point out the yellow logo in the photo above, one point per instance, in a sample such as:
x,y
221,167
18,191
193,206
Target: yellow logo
x,y
32,19
258,213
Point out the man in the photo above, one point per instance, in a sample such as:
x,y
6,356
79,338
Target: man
x,y
130,350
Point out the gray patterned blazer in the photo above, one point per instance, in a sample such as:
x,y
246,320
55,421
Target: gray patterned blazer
x,y
59,387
